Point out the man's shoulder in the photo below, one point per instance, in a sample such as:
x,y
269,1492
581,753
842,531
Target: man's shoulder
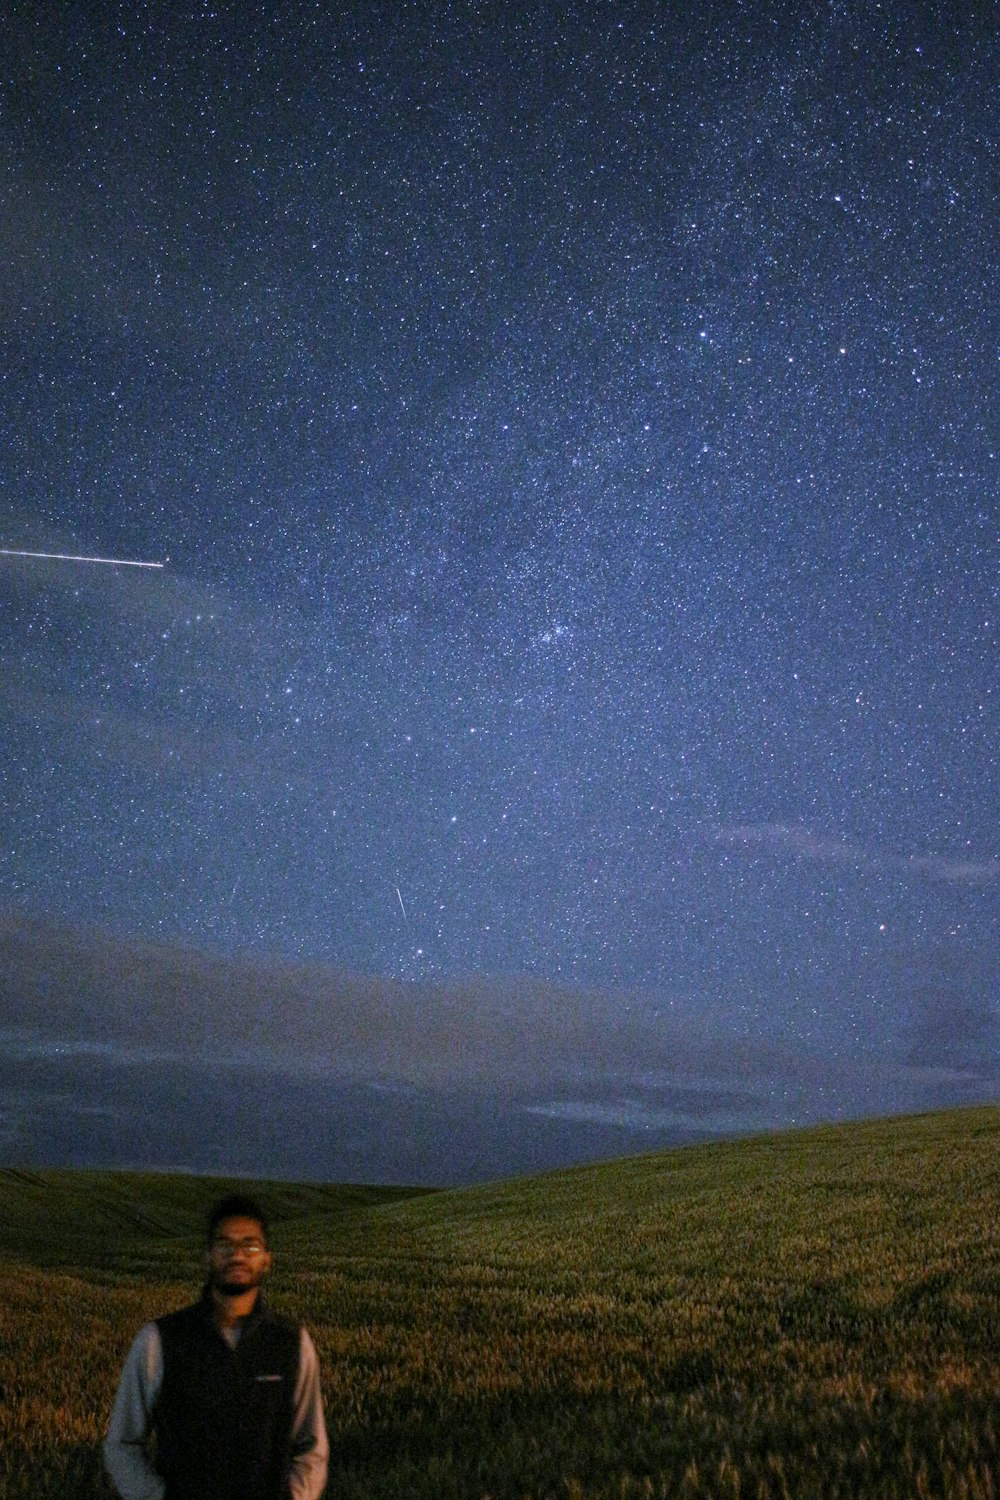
x,y
148,1334
264,1315
147,1342
266,1320
181,1319
282,1320
280,1328
281,1334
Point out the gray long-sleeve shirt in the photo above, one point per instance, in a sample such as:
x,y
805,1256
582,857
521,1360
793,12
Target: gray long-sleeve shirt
x,y
125,1454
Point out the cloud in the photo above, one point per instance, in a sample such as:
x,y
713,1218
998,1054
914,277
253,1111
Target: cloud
x,y
794,842
310,1071
952,1030
149,607
72,986
783,838
177,676
961,871
154,744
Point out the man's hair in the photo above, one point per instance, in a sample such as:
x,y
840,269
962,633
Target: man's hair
x,y
236,1206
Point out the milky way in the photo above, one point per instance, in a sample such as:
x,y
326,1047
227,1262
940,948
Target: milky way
x,y
573,430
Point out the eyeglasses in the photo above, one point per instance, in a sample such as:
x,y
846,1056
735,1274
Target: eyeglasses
x,y
228,1248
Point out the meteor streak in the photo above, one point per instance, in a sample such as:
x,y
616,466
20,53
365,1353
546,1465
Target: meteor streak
x,y
111,562
401,902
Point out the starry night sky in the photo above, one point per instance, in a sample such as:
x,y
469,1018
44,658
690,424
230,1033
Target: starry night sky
x,y
571,432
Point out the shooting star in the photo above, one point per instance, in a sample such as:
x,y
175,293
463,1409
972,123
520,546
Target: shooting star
x,y
402,907
109,562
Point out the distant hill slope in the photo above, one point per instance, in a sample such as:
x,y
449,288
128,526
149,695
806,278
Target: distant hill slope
x,y
80,1218
813,1314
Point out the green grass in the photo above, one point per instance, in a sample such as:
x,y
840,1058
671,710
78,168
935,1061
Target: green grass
x,y
811,1314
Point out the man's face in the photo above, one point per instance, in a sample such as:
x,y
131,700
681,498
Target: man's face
x,y
238,1257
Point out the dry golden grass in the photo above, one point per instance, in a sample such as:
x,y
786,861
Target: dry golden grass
x,y
814,1314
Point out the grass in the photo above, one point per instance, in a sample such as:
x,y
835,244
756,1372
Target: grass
x,y
811,1314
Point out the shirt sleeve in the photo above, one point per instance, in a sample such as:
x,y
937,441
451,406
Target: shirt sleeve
x,y
310,1448
125,1456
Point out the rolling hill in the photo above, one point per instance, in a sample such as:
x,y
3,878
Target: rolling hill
x,y
815,1313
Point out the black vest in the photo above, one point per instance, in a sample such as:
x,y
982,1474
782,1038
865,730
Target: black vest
x,y
223,1417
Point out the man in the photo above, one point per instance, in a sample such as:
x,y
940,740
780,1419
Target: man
x,y
221,1401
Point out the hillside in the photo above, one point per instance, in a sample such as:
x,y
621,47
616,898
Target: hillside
x,y
84,1221
810,1314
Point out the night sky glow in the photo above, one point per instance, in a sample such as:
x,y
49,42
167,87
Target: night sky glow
x,y
571,433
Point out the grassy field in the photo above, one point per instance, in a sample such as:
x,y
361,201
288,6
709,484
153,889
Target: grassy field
x,y
810,1314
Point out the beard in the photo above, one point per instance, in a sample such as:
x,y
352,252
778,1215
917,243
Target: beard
x,y
225,1283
